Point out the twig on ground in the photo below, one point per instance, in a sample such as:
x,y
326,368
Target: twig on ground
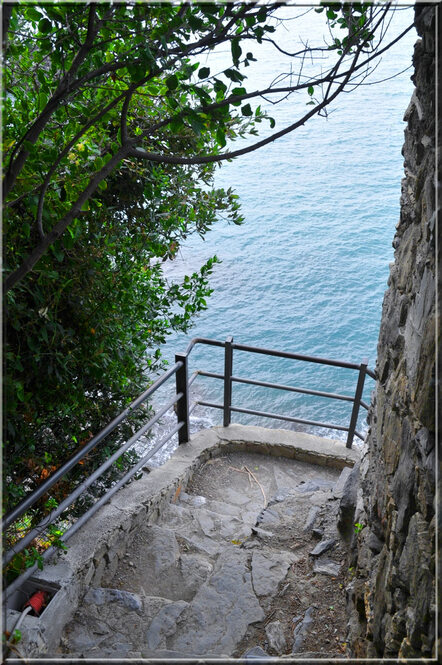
x,y
251,475
258,483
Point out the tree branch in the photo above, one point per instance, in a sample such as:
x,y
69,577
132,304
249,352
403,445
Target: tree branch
x,y
63,154
16,165
61,226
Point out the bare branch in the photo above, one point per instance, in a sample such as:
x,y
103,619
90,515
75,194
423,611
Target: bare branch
x,y
209,159
123,119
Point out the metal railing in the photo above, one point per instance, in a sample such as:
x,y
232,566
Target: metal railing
x,y
183,411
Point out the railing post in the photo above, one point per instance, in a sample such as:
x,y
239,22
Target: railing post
x,y
357,401
228,364
182,406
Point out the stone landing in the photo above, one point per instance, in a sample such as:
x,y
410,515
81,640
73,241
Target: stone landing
x,y
230,549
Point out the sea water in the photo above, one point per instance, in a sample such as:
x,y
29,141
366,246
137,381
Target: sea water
x,y
307,271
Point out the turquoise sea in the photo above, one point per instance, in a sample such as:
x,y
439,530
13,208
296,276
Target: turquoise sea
x,y
307,271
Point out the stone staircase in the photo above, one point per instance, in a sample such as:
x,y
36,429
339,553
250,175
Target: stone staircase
x,y
228,570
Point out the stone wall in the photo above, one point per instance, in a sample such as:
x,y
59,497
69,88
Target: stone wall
x,y
392,596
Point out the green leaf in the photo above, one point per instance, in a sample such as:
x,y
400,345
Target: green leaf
x,y
219,86
172,82
59,255
239,91
236,50
33,14
136,72
41,77
246,110
221,137
45,26
262,15
196,123
42,100
20,392
204,72
233,75
310,90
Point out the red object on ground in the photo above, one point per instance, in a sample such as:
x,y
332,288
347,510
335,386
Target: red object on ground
x,y
36,601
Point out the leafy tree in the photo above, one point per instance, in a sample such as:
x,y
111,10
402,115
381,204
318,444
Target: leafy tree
x,y
90,86
112,132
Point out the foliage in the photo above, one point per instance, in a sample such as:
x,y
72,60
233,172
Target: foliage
x,y
113,127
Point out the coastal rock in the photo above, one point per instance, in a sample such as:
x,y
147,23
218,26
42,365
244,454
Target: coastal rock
x,y
393,600
268,571
311,518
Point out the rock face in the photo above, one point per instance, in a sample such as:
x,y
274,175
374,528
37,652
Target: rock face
x,y
392,597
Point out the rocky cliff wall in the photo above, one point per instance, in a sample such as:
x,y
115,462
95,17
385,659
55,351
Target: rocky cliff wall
x,y
392,596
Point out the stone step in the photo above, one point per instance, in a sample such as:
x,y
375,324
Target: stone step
x,y
205,530
201,581
159,566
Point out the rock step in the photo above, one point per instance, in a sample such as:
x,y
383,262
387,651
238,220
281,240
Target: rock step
x,y
193,584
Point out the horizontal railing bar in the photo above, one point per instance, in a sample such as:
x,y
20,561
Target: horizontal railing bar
x,y
305,391
211,375
49,519
93,509
359,435
203,340
364,404
29,501
193,377
295,356
276,416
210,405
280,354
265,384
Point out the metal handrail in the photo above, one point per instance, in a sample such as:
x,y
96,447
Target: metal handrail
x,y
278,416
19,581
183,410
280,386
29,501
52,516
229,379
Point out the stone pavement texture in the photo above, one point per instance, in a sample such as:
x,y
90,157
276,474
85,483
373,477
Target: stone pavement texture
x,y
226,569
